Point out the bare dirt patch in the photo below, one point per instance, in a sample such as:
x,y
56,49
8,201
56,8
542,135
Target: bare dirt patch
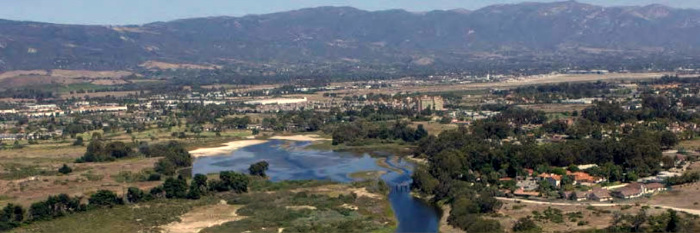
x,y
304,138
335,190
18,73
301,207
203,217
680,196
225,148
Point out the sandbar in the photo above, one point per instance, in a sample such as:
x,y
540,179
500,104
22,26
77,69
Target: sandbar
x,y
225,148
301,138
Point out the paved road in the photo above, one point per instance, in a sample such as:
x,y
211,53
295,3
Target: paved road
x,y
690,211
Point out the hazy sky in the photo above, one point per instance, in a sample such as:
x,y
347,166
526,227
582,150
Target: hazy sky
x,y
145,11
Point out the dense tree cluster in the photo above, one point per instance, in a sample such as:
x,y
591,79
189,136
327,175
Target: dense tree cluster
x,y
99,151
355,133
174,154
554,92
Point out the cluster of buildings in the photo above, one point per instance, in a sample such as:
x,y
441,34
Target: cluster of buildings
x,y
528,187
49,110
276,101
635,190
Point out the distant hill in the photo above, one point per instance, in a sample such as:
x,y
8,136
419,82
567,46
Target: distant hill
x,y
527,33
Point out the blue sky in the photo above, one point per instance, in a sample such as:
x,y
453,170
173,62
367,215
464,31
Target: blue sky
x,y
145,11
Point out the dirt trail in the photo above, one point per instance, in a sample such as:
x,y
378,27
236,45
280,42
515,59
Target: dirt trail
x,y
690,211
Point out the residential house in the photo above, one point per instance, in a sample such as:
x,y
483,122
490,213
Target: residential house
x,y
654,187
584,178
524,193
632,190
553,179
10,137
599,194
579,196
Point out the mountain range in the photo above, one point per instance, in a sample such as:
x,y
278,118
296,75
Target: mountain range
x,y
564,33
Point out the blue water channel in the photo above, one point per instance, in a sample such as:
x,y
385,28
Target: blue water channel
x,y
293,161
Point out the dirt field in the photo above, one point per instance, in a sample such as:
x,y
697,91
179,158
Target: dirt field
x,y
680,196
203,217
30,174
86,178
597,217
20,78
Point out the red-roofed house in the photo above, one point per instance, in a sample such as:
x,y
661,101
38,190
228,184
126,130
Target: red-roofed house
x,y
553,179
584,178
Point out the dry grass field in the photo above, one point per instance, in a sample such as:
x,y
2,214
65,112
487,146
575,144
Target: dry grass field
x,y
19,78
99,94
596,217
680,196
30,174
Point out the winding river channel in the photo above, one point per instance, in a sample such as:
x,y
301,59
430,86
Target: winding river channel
x,y
290,160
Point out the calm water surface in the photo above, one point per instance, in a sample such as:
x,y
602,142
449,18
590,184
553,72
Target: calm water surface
x,y
292,161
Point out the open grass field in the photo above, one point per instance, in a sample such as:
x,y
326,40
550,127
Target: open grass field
x,y
148,217
25,184
21,78
689,145
592,217
680,196
31,173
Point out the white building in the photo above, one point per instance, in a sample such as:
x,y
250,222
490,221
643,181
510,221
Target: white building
x,y
280,101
